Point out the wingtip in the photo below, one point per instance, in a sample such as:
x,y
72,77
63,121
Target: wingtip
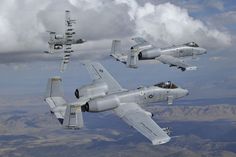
x,y
133,38
160,141
55,78
60,120
191,68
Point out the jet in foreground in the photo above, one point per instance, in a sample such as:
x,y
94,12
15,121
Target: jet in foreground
x,y
104,94
143,50
56,41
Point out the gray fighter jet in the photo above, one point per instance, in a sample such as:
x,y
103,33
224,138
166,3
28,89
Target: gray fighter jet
x,y
144,51
104,94
56,41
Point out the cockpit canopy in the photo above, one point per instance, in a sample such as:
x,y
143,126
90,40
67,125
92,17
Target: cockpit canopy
x,y
166,85
191,44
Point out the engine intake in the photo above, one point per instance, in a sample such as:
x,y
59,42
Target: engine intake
x,y
150,53
77,93
59,36
140,56
58,46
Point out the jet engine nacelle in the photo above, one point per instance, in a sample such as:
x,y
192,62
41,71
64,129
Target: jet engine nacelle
x,y
58,46
149,113
142,47
149,54
59,36
92,91
102,104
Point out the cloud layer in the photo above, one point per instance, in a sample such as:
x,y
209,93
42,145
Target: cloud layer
x,y
24,23
167,24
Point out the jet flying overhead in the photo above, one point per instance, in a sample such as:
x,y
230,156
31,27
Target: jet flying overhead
x,y
58,42
105,94
145,51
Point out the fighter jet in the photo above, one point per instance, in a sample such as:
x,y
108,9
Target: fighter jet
x,y
105,94
145,51
57,41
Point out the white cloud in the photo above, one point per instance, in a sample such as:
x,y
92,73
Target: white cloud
x,y
87,5
217,58
23,23
169,24
228,17
20,29
219,5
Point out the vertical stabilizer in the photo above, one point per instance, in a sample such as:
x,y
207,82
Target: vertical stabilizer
x,y
54,98
69,115
52,36
73,117
51,42
115,47
54,88
132,58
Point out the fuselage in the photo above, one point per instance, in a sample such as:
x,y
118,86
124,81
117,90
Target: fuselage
x,y
151,94
142,95
175,51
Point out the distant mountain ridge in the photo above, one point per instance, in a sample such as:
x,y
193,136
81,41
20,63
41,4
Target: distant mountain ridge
x,y
195,113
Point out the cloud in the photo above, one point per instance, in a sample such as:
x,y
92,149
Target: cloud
x,y
24,23
219,5
225,18
167,24
96,20
217,58
20,29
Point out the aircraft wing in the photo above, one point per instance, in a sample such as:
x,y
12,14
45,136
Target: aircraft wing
x,y
99,73
140,40
173,61
69,37
66,57
136,117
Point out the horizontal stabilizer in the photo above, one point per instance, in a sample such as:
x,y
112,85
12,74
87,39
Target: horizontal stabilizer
x,y
54,98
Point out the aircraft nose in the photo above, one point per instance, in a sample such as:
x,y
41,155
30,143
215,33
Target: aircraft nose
x,y
186,92
204,51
